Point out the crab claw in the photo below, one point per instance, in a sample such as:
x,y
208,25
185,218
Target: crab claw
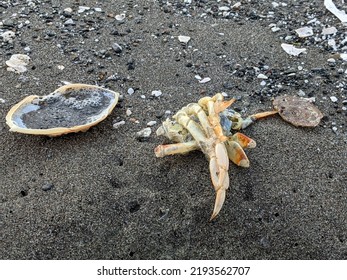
x,y
243,140
219,165
236,154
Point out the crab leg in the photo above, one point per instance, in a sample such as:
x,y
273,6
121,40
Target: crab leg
x,y
214,105
219,165
251,119
194,129
195,109
177,148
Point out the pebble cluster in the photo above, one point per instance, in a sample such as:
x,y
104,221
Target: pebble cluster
x,y
299,27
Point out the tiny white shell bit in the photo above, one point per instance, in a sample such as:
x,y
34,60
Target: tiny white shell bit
x,y
70,108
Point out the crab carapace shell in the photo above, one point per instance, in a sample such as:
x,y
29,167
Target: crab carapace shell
x,y
70,108
297,111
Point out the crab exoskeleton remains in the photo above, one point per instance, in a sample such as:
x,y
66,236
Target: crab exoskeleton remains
x,y
206,126
70,108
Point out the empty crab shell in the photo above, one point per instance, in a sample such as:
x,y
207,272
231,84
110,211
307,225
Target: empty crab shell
x,y
70,108
297,111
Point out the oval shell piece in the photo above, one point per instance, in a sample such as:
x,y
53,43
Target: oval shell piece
x,y
70,108
297,111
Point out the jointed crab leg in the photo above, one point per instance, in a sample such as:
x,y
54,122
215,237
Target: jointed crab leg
x,y
214,105
177,148
219,165
195,130
213,148
243,123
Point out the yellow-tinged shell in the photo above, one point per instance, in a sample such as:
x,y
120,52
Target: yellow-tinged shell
x,y
82,105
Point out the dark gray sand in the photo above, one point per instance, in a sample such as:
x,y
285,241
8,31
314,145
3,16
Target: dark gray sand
x,y
104,195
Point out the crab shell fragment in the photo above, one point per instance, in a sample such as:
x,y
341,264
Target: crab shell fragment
x,y
297,110
70,108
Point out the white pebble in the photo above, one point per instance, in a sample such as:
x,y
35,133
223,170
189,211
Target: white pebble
x,y
82,9
334,128
128,112
329,30
144,133
275,4
262,76
156,93
143,96
68,10
183,39
17,63
118,124
69,22
301,93
131,91
331,60
8,36
263,83
2,100
333,99
120,17
224,8
304,32
205,80
97,9
151,123
275,29
198,77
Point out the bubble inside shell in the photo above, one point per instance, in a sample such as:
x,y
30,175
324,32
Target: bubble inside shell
x,y
70,108
297,111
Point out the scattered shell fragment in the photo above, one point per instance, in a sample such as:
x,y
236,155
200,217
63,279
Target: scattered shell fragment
x,y
205,80
70,108
291,50
340,14
262,76
183,39
151,123
128,112
333,99
343,56
297,110
131,91
236,6
82,9
118,124
304,32
120,17
17,63
156,93
329,30
144,133
8,36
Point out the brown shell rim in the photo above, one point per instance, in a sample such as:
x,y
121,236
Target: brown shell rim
x,y
57,131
